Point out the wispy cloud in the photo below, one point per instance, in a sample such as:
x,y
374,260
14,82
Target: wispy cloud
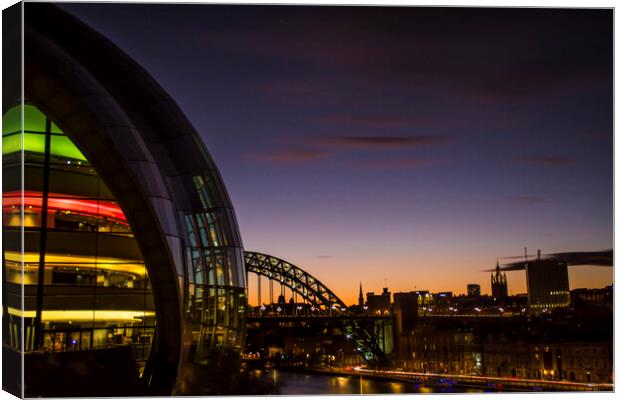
x,y
374,120
547,160
379,56
526,200
290,156
393,164
324,256
372,142
314,149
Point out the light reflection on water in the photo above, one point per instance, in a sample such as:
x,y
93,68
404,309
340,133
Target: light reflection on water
x,y
293,383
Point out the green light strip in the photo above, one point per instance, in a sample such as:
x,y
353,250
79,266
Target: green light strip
x,y
34,120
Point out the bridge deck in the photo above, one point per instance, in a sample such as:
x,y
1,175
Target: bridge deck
x,y
326,318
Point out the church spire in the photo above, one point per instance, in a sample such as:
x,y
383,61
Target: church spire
x,y
360,301
499,284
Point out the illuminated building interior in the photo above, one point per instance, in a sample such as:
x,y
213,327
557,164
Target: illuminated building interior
x,y
120,239
95,291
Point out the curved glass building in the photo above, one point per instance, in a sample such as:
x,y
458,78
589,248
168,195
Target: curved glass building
x,y
85,282
120,239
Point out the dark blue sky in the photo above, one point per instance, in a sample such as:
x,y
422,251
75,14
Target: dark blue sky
x,y
415,145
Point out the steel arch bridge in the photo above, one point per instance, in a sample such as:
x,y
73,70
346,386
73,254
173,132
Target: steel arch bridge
x,y
296,279
360,330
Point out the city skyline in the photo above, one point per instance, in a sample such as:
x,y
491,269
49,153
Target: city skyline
x,y
414,145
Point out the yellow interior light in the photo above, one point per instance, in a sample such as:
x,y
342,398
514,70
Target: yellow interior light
x,y
84,315
31,261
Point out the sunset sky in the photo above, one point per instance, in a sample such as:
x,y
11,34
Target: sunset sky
x,y
411,145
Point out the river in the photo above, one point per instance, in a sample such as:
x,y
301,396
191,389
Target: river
x,y
297,383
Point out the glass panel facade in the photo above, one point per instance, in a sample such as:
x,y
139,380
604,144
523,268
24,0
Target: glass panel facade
x,y
216,275
85,282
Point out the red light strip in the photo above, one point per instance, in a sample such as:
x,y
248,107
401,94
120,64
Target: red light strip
x,y
58,202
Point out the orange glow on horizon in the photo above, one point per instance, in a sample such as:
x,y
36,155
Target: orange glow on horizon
x,y
344,280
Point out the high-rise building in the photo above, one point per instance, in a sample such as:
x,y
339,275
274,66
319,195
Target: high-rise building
x,y
405,310
499,284
473,289
547,284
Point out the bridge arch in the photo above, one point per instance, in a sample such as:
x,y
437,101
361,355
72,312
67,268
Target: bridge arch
x,y
296,279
